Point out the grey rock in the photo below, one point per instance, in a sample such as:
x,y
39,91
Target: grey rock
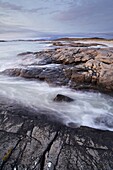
x,y
39,142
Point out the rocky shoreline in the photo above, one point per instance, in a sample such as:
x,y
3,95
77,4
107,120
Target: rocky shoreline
x,y
78,68
33,140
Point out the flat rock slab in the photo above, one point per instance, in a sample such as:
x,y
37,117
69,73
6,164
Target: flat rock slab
x,y
35,141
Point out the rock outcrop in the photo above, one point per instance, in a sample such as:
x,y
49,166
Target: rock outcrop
x,y
79,68
76,44
30,140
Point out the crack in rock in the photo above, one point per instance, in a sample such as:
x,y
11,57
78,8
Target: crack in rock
x,y
42,160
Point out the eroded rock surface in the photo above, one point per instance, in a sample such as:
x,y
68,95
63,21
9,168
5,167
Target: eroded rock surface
x,y
79,68
36,142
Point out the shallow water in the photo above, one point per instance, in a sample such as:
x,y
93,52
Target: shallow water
x,y
9,51
88,109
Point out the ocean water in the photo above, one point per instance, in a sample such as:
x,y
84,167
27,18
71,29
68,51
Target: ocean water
x,y
9,53
88,109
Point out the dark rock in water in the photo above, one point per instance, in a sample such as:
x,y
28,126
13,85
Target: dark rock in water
x,y
57,44
73,125
50,75
25,53
3,41
63,98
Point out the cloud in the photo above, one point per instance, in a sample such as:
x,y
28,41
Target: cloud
x,y
62,16
15,32
86,9
35,10
86,14
10,6
15,7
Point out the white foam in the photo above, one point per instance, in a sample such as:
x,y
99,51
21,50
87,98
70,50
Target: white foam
x,y
88,109
9,51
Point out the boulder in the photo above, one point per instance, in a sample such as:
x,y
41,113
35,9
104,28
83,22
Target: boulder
x,y
25,53
62,98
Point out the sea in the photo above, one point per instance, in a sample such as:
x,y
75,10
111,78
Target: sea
x,y
88,108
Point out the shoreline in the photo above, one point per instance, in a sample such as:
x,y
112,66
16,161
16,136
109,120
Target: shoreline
x,y
27,140
61,39
31,139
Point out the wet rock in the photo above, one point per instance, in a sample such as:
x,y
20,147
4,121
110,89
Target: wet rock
x,y
73,125
58,44
3,41
79,68
51,75
40,143
45,61
62,98
25,53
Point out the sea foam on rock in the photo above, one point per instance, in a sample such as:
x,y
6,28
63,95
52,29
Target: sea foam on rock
x,y
33,139
79,68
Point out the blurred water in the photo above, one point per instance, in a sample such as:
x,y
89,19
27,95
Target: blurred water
x,y
88,109
9,51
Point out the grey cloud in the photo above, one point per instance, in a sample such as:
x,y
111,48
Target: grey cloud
x,y
6,28
54,12
11,6
96,14
87,9
35,10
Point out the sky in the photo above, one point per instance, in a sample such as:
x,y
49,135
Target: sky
x,y
25,18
